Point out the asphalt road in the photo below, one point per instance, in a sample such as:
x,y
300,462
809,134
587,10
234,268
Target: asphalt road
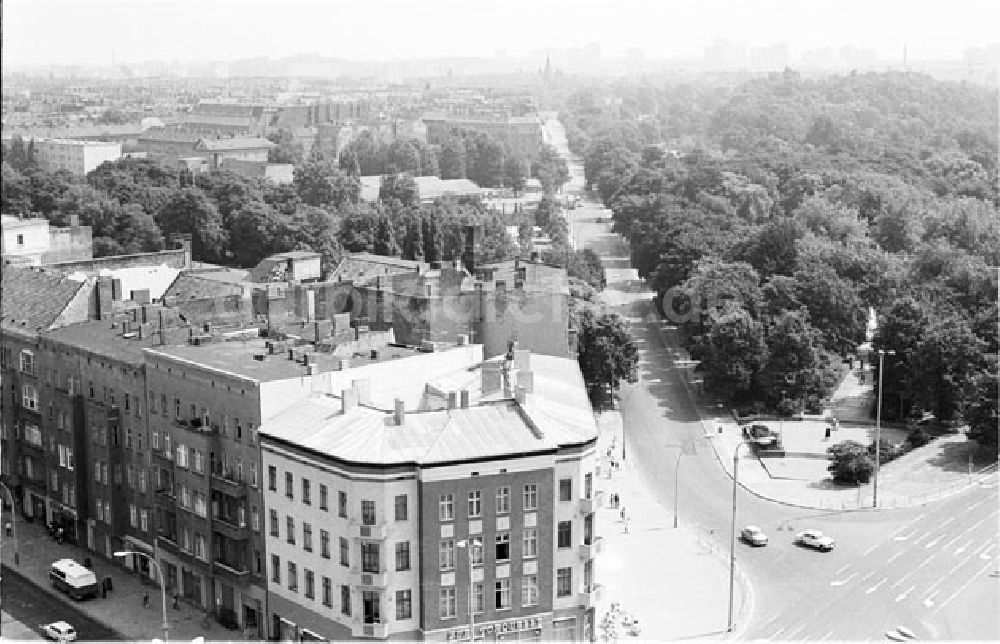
x,y
928,569
34,607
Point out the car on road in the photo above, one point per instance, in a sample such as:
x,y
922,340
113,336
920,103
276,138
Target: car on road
x,y
760,434
815,539
753,536
60,631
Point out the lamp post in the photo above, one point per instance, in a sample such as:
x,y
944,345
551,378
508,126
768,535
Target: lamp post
x,y
878,423
732,534
469,546
163,588
13,525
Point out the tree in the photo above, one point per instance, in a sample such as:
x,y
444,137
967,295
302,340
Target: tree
x,y
546,209
732,351
515,173
320,183
452,158
586,265
550,169
607,352
981,409
288,151
253,231
403,156
401,188
485,159
189,210
384,241
432,238
370,152
850,463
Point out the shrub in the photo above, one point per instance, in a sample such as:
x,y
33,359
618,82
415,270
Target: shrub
x,y
851,463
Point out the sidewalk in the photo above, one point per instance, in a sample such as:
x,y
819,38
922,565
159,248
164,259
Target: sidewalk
x,y
15,631
122,610
672,581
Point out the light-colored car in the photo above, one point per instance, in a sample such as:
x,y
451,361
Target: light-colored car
x,y
60,632
815,539
754,536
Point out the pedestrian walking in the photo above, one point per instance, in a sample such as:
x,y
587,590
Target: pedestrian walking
x,y
145,599
623,513
176,599
104,591
7,528
626,525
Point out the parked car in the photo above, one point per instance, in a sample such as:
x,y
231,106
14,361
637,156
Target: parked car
x,y
79,582
60,631
754,536
760,434
815,539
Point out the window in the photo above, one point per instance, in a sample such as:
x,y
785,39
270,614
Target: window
x,y
305,492
255,519
479,597
253,474
565,534
448,604
322,497
368,513
503,500
502,594
503,546
404,604
27,357
29,397
475,503
565,489
133,515
588,485
199,546
530,497
370,557
275,569
476,551
307,537
564,582
324,544
289,484
446,554
272,478
142,481
310,584
327,592
345,600
342,504
290,530
529,546
345,552
402,555
199,461
401,509
446,507
529,590
293,577
273,522
143,520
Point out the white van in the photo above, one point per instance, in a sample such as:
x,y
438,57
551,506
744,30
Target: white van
x,y
73,579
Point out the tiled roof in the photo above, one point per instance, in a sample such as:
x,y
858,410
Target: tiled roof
x,y
363,267
33,299
194,286
234,144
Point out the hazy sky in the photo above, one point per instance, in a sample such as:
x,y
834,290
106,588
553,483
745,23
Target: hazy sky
x,y
91,31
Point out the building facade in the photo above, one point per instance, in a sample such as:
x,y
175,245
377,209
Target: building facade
x,y
75,155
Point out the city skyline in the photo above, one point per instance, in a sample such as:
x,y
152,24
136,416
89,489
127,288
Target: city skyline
x,y
56,32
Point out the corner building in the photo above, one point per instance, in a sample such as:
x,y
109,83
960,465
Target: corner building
x,y
390,522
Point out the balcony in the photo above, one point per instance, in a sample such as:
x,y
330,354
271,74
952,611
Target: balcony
x,y
35,447
169,543
163,455
370,579
373,631
587,506
379,531
230,528
232,571
589,551
226,483
589,599
35,482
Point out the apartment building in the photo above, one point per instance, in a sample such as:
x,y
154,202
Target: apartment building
x,y
521,135
473,508
33,241
75,155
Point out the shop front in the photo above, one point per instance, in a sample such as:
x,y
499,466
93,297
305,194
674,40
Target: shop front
x,y
525,629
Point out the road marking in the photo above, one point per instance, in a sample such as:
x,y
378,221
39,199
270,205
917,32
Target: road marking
x,y
921,538
870,550
827,636
904,538
985,554
842,569
843,581
976,504
791,634
904,594
918,518
866,577
962,549
929,601
935,542
948,521
778,632
902,579
876,586
952,542
895,557
962,587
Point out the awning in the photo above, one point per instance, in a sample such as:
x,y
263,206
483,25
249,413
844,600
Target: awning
x,y
141,545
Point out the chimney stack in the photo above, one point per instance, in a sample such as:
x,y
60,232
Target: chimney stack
x,y
348,400
465,398
363,389
399,412
526,379
520,395
490,378
452,400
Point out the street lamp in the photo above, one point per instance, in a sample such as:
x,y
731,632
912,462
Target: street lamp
x,y
13,525
469,546
732,534
163,588
878,423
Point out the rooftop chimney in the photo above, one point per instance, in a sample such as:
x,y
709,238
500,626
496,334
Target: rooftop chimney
x,y
452,400
363,389
526,379
399,412
348,400
490,378
465,398
520,395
